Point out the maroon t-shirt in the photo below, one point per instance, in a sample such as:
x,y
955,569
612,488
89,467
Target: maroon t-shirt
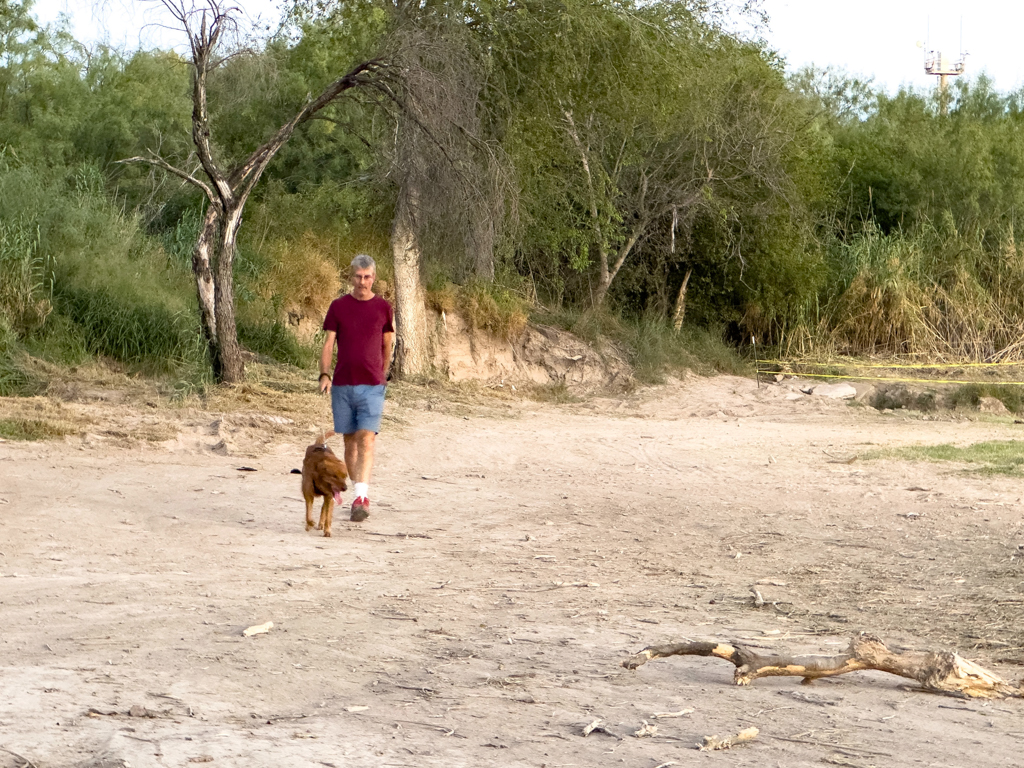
x,y
360,326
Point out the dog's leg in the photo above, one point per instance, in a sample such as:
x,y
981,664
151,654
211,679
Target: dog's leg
x,y
325,514
309,512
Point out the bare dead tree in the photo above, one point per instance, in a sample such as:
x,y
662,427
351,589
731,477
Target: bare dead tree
x,y
208,24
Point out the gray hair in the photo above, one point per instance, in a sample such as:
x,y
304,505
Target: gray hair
x,y
362,261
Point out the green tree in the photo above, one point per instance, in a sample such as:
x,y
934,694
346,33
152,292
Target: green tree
x,y
630,120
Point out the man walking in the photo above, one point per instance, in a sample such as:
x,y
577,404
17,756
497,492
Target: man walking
x,y
362,324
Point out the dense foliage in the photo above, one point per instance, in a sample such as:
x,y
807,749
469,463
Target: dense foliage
x,y
611,147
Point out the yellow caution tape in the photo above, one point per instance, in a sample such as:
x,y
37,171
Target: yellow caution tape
x,y
885,378
918,366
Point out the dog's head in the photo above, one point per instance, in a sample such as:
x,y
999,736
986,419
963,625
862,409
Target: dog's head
x,y
334,474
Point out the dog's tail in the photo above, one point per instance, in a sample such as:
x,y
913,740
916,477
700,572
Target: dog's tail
x,y
322,440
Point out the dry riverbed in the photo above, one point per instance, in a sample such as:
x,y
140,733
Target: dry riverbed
x,y
516,553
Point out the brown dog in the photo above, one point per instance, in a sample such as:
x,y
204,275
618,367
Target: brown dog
x,y
323,474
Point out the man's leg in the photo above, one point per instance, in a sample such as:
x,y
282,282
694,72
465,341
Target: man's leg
x,y
359,455
359,447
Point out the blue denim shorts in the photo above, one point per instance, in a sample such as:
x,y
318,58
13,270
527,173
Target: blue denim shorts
x,y
357,407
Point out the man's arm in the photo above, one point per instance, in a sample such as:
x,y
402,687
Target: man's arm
x,y
326,358
388,346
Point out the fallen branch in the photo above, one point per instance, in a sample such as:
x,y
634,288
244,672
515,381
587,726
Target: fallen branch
x,y
28,763
711,743
942,672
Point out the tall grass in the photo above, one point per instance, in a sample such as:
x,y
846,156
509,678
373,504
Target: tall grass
x,y
26,277
112,291
969,395
932,294
25,293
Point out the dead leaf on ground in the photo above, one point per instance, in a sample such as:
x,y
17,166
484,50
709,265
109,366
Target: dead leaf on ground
x,y
258,629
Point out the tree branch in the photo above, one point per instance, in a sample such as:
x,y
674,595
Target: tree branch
x,y
159,162
249,172
626,248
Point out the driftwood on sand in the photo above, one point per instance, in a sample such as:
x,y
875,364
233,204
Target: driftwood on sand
x,y
939,672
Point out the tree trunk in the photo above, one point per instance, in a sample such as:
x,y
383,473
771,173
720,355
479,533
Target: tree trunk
x,y
483,249
410,305
604,279
205,244
228,365
607,273
680,311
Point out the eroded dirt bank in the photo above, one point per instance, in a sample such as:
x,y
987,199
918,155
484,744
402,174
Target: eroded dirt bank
x,y
516,554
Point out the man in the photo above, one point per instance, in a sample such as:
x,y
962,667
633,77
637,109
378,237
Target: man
x,y
362,324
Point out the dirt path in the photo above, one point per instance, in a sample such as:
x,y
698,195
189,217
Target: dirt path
x,y
516,554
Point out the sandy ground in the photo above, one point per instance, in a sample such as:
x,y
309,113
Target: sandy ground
x,y
516,553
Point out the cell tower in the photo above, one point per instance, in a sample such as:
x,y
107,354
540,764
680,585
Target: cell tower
x,y
935,63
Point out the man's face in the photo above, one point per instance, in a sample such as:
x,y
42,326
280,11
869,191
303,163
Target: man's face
x,y
362,280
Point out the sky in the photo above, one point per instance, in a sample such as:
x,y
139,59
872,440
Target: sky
x,y
878,38
870,38
134,23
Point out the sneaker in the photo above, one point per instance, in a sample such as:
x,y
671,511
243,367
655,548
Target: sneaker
x,y
360,509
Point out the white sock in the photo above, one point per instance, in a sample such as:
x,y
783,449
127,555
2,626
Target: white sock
x,y
362,490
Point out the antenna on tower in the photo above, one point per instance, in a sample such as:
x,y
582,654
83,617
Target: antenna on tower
x,y
940,66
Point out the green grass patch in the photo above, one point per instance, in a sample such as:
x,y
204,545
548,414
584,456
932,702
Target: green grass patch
x,y
33,429
996,457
